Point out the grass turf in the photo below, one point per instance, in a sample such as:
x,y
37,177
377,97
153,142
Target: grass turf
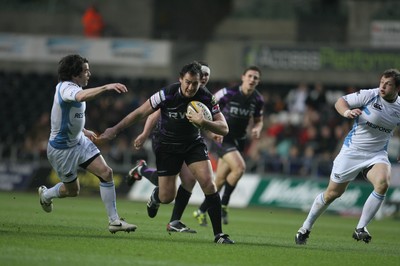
x,y
76,233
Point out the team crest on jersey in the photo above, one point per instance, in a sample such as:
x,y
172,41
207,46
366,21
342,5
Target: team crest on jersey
x,y
377,106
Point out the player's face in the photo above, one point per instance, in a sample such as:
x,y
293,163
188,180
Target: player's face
x,y
190,84
204,79
250,81
83,78
388,89
205,71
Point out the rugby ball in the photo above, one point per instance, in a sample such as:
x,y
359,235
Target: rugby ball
x,y
196,106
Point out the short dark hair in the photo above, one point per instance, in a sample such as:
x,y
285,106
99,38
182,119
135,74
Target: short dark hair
x,y
193,68
392,73
70,66
254,68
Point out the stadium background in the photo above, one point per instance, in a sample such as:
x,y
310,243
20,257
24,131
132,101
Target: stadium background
x,y
337,45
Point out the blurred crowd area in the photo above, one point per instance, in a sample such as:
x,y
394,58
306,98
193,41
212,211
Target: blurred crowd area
x,y
302,131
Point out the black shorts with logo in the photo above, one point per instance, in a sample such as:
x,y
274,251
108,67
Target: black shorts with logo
x,y
170,157
229,144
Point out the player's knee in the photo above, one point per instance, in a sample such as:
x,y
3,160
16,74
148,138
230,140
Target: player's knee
x,y
330,196
239,170
106,174
166,198
382,185
209,188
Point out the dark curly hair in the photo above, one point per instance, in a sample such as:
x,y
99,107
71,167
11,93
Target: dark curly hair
x,y
70,66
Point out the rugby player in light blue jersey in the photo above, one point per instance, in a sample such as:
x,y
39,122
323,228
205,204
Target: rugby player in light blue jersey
x,y
71,145
376,113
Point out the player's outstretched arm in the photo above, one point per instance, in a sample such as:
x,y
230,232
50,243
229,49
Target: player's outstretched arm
x,y
133,117
89,94
151,122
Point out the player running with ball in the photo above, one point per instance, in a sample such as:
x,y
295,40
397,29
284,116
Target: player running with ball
x,y
179,141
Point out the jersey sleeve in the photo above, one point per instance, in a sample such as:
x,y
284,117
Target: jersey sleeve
x,y
69,92
220,94
259,110
157,98
214,107
360,98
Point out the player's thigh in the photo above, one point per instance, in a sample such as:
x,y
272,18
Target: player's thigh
x,y
379,176
334,190
235,161
187,178
223,170
167,188
99,168
202,171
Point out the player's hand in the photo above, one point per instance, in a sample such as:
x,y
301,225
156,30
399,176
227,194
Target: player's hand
x,y
255,133
196,118
118,87
108,134
90,134
139,141
352,113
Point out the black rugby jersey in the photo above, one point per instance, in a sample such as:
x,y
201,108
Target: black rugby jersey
x,y
173,126
239,108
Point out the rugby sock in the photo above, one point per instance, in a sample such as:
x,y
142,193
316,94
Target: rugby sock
x,y
371,207
213,204
317,208
227,194
107,193
149,173
203,206
181,201
53,192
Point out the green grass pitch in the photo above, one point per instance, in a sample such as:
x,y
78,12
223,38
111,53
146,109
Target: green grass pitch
x,y
76,233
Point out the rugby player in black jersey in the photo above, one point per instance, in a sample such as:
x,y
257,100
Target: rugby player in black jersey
x,y
240,104
188,181
180,142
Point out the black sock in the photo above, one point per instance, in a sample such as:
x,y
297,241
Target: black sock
x,y
213,204
203,206
227,194
181,201
150,174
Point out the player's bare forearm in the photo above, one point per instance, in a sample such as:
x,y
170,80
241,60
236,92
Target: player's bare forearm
x,y
151,122
89,94
217,126
258,126
343,108
133,117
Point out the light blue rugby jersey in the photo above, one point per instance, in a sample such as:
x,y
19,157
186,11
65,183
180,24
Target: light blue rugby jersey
x,y
374,127
67,116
